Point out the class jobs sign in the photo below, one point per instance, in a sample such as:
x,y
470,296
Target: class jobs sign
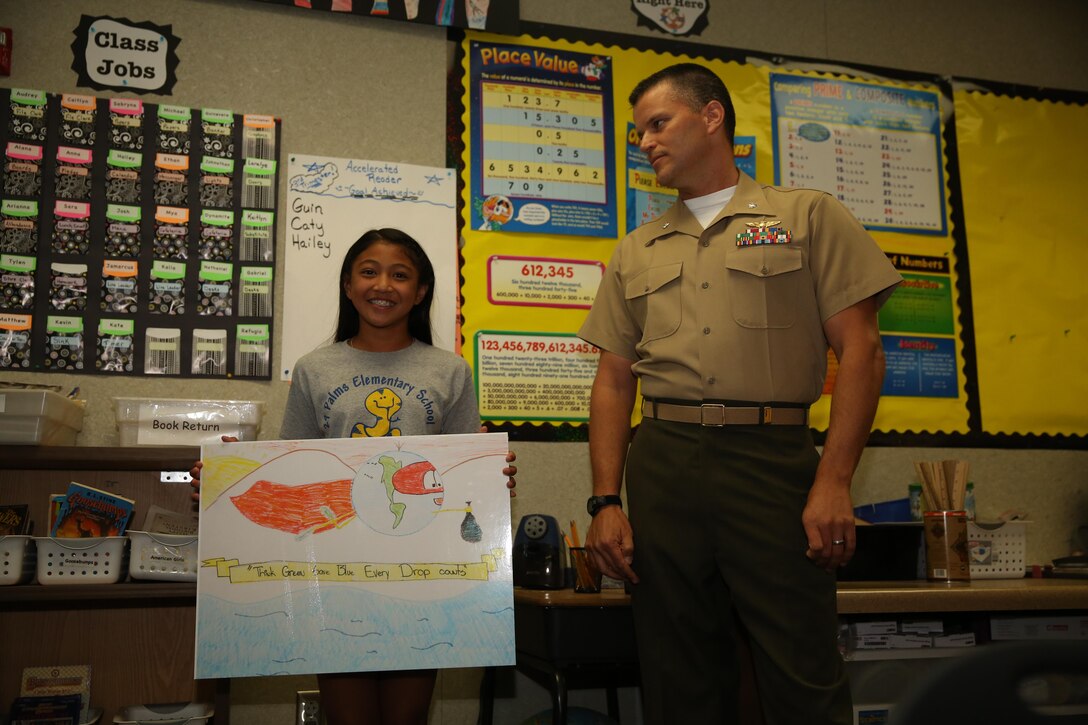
x,y
118,54
543,157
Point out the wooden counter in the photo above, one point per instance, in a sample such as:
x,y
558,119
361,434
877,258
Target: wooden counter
x,y
981,595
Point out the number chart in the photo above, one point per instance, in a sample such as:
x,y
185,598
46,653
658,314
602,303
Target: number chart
x,y
875,148
543,151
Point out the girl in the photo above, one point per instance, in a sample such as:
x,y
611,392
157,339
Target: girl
x,y
381,377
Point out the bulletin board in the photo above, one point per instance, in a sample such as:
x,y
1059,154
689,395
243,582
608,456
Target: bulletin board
x,y
1021,169
526,290
136,238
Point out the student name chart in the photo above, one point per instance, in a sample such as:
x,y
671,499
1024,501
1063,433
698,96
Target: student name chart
x,y
876,148
542,141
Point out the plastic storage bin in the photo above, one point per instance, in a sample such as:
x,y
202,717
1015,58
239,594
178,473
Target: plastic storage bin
x,y
180,713
895,511
17,559
180,421
101,560
998,550
169,557
39,417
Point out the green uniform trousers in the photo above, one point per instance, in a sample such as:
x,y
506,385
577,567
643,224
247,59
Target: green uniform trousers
x,y
716,514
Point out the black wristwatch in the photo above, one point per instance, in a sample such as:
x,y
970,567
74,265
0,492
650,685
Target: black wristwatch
x,y
595,503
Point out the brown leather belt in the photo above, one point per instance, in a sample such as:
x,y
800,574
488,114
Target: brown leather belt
x,y
719,414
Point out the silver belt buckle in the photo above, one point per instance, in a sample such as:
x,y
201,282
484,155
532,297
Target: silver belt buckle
x,y
719,407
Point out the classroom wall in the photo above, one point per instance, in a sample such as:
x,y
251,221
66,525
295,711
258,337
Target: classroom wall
x,y
374,89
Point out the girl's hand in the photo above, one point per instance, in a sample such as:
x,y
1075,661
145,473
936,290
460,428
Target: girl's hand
x,y
509,471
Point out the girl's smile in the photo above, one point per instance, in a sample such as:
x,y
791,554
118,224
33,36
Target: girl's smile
x,y
383,286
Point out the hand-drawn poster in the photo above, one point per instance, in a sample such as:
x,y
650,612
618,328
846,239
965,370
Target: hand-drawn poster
x,y
353,555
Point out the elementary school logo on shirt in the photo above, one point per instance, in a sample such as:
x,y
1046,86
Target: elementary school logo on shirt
x,y
383,404
373,406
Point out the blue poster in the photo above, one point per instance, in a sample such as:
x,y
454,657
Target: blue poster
x,y
922,367
543,157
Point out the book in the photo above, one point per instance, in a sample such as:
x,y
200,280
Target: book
x,y
14,519
90,512
163,521
46,710
57,680
56,500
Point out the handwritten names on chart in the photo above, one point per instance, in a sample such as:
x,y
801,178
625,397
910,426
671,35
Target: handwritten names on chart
x,y
542,282
306,228
534,376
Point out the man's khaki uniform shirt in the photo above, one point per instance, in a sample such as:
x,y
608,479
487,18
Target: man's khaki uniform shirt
x,y
706,317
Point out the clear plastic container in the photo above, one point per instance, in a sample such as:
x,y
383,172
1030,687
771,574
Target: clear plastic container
x,y
39,417
180,421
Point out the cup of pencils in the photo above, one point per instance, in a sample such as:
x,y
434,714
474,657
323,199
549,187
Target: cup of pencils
x,y
587,580
944,487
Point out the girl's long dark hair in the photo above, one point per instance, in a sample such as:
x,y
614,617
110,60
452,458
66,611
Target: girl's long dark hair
x,y
419,319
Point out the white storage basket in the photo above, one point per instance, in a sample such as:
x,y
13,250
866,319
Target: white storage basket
x,y
193,713
16,559
997,551
101,560
169,557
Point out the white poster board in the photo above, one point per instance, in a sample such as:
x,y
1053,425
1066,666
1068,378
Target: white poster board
x,y
330,203
354,555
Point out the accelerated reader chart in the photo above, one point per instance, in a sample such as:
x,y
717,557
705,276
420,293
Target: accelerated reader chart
x,y
543,158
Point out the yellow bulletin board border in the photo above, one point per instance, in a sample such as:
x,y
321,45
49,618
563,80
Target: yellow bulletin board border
x,y
900,421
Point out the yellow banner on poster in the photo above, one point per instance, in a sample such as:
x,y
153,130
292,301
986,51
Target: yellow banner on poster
x,y
360,572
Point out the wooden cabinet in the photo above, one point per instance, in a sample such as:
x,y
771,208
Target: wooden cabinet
x,y
138,637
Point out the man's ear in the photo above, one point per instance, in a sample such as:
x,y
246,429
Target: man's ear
x,y
713,116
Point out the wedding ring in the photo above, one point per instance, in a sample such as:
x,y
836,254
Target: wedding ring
x,y
838,542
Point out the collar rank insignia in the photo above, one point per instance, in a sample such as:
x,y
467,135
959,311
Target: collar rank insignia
x,y
764,232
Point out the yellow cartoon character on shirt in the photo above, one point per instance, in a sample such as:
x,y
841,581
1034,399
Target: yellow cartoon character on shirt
x,y
383,404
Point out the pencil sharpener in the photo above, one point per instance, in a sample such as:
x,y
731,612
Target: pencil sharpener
x,y
538,553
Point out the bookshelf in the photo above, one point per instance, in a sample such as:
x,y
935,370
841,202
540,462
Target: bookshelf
x,y
138,637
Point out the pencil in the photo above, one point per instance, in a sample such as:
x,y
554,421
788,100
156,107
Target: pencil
x,y
567,539
574,533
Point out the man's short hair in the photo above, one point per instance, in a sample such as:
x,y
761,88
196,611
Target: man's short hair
x,y
696,86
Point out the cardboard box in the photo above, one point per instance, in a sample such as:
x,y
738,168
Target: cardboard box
x,y
39,417
1029,627
882,626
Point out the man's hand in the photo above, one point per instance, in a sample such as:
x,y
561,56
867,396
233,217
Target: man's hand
x,y
828,519
611,544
